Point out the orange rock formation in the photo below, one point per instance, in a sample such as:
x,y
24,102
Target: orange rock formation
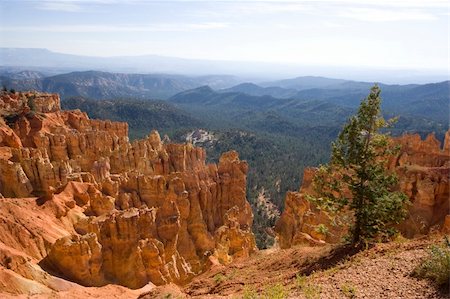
x,y
109,211
423,169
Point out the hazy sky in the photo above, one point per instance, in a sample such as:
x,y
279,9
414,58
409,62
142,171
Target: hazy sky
x,y
381,33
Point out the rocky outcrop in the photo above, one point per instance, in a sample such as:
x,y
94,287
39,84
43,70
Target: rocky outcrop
x,y
126,213
302,222
423,169
26,102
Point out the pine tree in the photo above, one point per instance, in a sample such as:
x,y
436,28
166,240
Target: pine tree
x,y
357,179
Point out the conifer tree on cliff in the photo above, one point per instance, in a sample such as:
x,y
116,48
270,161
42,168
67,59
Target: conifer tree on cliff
x,y
357,179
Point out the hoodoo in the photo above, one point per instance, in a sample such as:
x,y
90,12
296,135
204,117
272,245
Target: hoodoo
x,y
82,202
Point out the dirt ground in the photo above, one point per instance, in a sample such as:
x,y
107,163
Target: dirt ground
x,y
383,271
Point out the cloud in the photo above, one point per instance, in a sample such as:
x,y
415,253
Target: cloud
x,y
395,3
71,5
272,7
386,15
59,6
362,10
166,27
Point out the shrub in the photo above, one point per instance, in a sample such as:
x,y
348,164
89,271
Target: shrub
x,y
300,281
249,293
32,104
11,119
322,229
309,290
277,291
218,278
348,290
437,264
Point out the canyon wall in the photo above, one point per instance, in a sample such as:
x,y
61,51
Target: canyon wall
x,y
423,170
86,204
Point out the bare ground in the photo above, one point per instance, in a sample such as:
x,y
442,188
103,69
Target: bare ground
x,y
383,271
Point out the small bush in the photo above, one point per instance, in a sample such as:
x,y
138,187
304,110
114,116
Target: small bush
x,y
437,265
11,119
322,229
300,281
309,290
277,291
218,278
32,104
249,293
349,291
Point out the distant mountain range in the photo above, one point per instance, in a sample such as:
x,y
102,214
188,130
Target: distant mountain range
x,y
104,85
53,63
229,94
257,90
314,107
306,82
427,100
239,108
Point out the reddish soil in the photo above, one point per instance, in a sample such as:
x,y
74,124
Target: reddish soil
x,y
383,271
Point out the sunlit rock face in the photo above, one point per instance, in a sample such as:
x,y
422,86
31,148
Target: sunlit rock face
x,y
423,170
114,211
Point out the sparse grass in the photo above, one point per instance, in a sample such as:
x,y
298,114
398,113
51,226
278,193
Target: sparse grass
x,y
309,290
399,239
277,291
348,290
219,277
300,281
232,274
322,229
249,293
437,265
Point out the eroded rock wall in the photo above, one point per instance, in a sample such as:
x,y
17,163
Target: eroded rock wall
x,y
126,213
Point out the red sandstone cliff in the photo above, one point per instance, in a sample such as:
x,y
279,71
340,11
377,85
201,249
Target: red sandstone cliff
x,y
82,201
423,169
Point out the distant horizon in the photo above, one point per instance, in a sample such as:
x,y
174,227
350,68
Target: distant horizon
x,y
251,71
229,60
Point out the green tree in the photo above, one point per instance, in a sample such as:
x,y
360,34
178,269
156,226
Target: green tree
x,y
357,179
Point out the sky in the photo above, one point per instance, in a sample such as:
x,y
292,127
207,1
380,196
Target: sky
x,y
374,33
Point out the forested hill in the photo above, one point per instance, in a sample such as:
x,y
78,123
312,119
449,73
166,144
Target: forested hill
x,y
141,115
427,100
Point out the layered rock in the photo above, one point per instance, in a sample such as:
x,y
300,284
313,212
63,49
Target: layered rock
x,y
126,213
423,169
